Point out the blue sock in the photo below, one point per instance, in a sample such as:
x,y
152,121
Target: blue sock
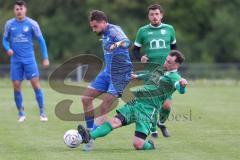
x,y
94,127
39,99
18,100
89,121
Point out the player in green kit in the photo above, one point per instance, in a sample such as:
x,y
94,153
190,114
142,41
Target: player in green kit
x,y
156,39
143,110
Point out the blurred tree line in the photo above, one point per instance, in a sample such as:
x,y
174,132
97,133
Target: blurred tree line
x,y
207,30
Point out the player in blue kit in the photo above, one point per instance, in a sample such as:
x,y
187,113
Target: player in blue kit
x,y
18,37
116,74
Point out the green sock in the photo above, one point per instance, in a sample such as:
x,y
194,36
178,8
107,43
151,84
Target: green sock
x,y
153,129
147,146
164,114
101,131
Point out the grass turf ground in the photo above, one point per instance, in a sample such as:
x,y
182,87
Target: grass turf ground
x,y
204,124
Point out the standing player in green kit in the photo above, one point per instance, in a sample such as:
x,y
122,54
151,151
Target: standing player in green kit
x,y
157,39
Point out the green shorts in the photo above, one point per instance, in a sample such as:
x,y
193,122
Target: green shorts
x,y
143,115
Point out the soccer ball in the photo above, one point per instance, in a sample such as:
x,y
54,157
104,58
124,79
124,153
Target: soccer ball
x,y
72,138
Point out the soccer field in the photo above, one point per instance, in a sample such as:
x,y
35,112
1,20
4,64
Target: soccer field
x,y
204,124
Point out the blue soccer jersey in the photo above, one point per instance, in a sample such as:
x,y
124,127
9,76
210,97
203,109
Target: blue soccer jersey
x,y
118,67
20,35
111,35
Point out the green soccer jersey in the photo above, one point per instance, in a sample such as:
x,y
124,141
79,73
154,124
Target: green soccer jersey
x,y
156,41
155,95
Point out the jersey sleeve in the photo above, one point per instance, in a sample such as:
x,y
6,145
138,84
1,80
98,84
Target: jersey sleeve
x,y
173,36
6,29
176,84
180,89
142,75
36,29
43,47
38,34
5,39
175,78
117,34
139,41
5,43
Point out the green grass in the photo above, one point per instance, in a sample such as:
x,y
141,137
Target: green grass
x,y
204,125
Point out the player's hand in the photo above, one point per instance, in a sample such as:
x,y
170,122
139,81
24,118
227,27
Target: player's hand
x,y
183,82
116,45
144,59
133,76
10,52
45,63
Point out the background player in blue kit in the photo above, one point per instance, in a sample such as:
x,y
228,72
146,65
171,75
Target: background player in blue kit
x,y
116,74
18,37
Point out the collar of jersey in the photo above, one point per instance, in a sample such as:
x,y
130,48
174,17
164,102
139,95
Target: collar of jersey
x,y
105,31
21,20
168,72
154,26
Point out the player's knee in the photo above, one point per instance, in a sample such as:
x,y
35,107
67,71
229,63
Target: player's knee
x,y
35,83
167,105
17,86
115,122
138,144
108,101
86,100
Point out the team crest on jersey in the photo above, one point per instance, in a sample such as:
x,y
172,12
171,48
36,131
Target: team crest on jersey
x,y
163,31
25,28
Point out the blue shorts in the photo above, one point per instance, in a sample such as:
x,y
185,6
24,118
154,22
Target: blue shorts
x,y
114,85
21,70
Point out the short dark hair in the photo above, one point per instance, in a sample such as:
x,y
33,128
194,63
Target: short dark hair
x,y
97,16
20,3
179,56
155,6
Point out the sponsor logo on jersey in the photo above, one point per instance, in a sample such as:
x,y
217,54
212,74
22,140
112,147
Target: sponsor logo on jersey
x,y
20,38
157,44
